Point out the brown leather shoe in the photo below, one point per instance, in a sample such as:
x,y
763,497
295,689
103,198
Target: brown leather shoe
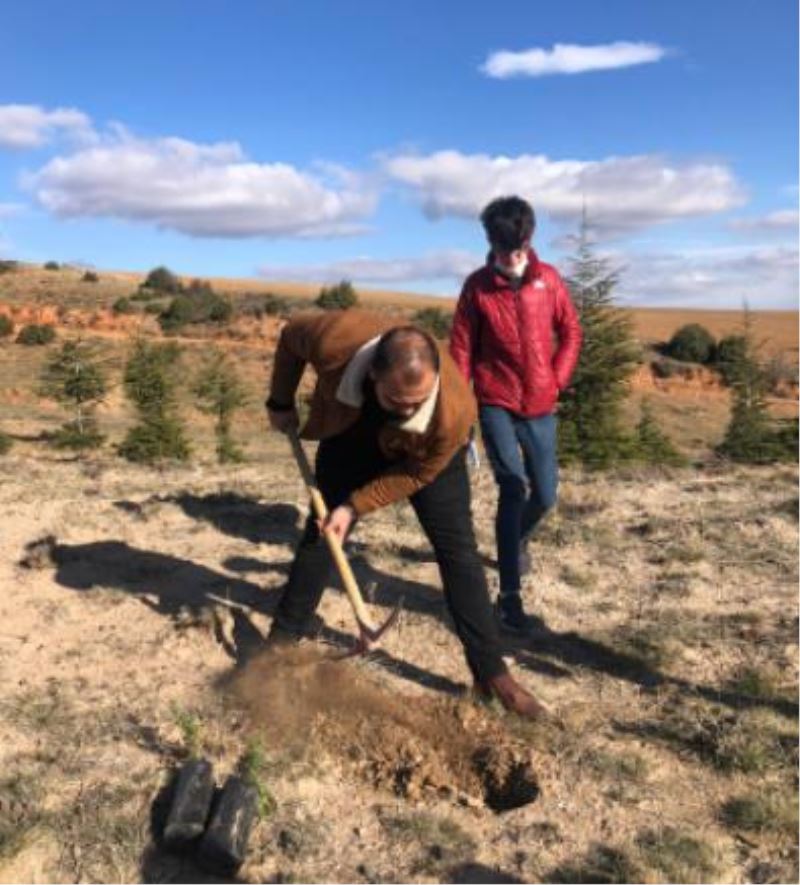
x,y
512,696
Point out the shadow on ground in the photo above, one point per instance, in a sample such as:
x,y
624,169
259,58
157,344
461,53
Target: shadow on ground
x,y
476,873
171,586
546,652
574,650
179,588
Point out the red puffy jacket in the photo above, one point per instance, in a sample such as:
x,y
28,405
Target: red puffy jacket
x,y
502,338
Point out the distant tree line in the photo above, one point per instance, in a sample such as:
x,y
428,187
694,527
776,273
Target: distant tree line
x,y
76,376
592,429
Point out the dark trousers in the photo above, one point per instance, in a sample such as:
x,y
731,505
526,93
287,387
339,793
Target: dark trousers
x,y
443,510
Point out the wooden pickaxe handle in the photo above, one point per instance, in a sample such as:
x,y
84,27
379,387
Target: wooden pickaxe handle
x,y
321,512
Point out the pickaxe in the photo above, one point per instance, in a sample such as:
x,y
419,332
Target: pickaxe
x,y
368,636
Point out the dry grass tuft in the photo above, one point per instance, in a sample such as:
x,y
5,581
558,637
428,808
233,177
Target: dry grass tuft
x,y
602,863
438,841
749,741
763,682
677,857
758,813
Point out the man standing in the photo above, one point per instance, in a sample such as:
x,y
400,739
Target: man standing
x,y
502,340
393,416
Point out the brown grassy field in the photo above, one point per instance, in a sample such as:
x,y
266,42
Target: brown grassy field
x,y
775,329
130,639
778,330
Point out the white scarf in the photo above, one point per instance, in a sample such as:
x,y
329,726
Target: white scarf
x,y
350,390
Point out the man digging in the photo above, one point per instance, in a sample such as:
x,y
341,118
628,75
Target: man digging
x,y
393,415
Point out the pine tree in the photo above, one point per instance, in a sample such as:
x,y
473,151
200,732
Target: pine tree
x,y
751,436
220,393
590,420
150,385
73,377
339,297
652,445
435,321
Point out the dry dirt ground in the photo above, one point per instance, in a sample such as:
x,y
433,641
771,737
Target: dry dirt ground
x,y
667,650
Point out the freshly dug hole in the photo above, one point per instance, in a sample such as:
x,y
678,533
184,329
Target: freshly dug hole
x,y
508,778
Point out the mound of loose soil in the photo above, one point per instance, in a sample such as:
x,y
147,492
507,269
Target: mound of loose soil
x,y
412,747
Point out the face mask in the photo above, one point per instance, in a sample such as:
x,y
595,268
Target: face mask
x,y
517,269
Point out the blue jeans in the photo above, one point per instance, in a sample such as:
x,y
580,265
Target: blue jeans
x,y
522,452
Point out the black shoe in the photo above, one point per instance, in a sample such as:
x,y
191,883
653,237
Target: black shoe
x,y
512,618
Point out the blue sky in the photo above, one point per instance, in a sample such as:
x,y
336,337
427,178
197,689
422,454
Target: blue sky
x,y
322,140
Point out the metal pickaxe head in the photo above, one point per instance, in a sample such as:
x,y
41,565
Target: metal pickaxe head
x,y
369,637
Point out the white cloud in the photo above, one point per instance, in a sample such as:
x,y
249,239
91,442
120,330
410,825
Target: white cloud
x,y
569,58
766,276
721,277
25,126
782,220
620,193
201,190
8,210
443,265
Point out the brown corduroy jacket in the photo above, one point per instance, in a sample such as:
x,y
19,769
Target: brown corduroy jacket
x,y
329,341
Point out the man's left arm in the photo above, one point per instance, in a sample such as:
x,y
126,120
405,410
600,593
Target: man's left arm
x,y
568,329
464,333
402,480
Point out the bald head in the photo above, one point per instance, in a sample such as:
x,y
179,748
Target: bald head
x,y
404,369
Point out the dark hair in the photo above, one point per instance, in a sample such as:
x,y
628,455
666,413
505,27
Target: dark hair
x,y
509,223
406,348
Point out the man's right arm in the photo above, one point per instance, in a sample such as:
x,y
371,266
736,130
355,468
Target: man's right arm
x,y
294,351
